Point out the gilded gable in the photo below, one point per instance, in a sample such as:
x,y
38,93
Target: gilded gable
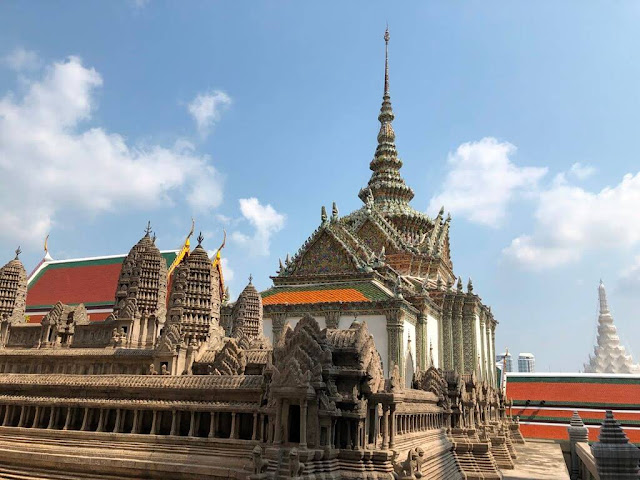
x,y
374,238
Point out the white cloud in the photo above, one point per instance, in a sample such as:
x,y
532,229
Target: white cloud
x,y
52,166
227,271
482,180
265,220
206,109
21,59
139,4
629,280
582,171
571,221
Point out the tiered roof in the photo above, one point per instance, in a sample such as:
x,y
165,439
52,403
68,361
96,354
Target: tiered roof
x,y
326,293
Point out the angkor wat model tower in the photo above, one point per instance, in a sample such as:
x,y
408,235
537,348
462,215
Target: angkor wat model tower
x,y
143,282
247,313
609,356
195,297
13,290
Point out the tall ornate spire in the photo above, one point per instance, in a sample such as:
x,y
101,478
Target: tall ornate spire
x,y
609,356
386,184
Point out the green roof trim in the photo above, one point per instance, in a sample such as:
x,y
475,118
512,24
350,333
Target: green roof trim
x,y
30,308
577,379
368,289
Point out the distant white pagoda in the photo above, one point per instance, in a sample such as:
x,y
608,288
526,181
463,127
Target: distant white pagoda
x,y
609,356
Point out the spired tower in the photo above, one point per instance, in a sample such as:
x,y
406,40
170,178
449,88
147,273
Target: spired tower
x,y
608,355
141,295
247,313
13,291
390,265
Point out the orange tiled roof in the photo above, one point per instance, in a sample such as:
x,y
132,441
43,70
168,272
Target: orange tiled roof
x,y
316,296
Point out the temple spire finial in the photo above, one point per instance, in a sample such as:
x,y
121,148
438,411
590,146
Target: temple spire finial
x,y
386,60
200,239
18,252
147,230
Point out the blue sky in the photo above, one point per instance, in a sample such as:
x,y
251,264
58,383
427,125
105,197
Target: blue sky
x,y
521,119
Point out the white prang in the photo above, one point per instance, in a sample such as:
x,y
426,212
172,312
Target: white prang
x,y
608,355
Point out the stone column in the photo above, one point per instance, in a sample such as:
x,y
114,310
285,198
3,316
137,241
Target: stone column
x,y
278,321
233,425
193,424
67,420
52,418
469,339
492,338
135,428
458,344
212,425
154,421
616,458
116,426
483,346
395,331
254,433
36,417
446,352
7,415
392,427
577,433
422,353
278,431
22,415
175,421
101,421
303,424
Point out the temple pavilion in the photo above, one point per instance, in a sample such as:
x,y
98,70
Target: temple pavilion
x,y
390,265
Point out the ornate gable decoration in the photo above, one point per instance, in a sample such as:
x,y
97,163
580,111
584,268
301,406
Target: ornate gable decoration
x,y
231,360
300,358
330,249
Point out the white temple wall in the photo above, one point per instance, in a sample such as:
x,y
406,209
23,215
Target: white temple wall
x,y
433,336
267,329
409,331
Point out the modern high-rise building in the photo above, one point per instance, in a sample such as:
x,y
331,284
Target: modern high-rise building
x,y
526,362
508,361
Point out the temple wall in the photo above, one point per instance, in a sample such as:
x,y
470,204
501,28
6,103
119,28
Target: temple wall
x,y
409,332
433,339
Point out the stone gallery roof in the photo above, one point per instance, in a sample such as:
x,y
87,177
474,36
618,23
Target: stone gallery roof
x,y
91,281
325,293
545,402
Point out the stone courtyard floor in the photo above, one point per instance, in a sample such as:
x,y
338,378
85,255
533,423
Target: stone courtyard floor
x,y
538,461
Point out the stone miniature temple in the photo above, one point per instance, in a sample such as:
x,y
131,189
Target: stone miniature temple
x,y
365,360
609,356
